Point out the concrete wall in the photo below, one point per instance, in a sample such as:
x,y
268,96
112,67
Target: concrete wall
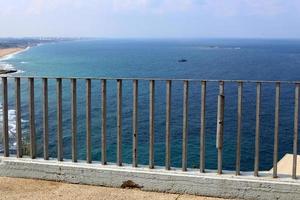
x,y
174,181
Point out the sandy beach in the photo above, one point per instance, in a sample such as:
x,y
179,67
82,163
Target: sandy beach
x,y
8,51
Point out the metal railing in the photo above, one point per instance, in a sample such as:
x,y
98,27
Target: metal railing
x,y
135,82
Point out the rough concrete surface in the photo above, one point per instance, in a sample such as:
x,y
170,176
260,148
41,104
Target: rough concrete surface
x,y
18,188
192,182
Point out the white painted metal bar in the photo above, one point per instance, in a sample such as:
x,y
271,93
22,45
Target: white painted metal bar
x,y
202,128
32,119
185,124
276,129
74,118
239,127
296,121
168,128
103,122
88,122
220,125
151,123
257,129
59,120
45,119
135,124
18,117
119,122
5,117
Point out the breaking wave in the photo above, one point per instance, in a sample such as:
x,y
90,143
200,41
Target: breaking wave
x,y
11,129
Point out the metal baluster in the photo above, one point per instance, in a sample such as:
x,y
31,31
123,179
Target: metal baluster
x,y
88,122
45,118
59,119
185,124
32,118
276,129
135,124
202,129
257,129
151,123
5,117
239,127
168,119
119,122
220,125
295,146
74,118
103,121
18,117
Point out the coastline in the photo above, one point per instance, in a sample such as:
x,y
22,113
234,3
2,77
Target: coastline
x,y
8,51
5,54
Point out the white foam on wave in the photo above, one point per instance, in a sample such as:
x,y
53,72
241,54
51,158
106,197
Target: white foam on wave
x,y
11,128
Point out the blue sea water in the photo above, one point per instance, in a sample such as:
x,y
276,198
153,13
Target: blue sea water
x,y
238,59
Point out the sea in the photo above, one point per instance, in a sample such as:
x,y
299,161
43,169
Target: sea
x,y
206,59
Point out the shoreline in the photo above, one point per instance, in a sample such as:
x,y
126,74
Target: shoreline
x,y
5,54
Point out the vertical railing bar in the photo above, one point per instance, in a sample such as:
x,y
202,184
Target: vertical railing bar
x,y
185,124
88,122
45,119
151,123
5,117
135,124
295,143
59,119
119,122
202,128
18,117
74,118
257,129
32,118
168,119
276,129
103,122
220,125
239,127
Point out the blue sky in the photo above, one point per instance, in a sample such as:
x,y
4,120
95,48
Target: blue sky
x,y
151,18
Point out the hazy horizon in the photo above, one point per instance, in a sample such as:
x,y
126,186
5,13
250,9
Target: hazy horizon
x,y
151,19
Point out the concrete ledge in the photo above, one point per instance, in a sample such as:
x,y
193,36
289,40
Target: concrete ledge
x,y
174,181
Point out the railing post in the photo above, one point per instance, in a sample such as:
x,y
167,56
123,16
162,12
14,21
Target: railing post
x,y
119,122
103,121
202,128
151,123
88,122
168,119
220,125
239,127
32,118
45,118
5,117
18,117
257,129
185,124
135,124
295,145
74,118
276,129
59,119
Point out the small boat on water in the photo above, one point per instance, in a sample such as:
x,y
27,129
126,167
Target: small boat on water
x,y
182,60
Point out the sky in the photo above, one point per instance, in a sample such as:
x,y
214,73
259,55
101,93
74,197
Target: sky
x,y
151,18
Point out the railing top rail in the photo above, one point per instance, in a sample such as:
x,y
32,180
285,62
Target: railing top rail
x,y
157,79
